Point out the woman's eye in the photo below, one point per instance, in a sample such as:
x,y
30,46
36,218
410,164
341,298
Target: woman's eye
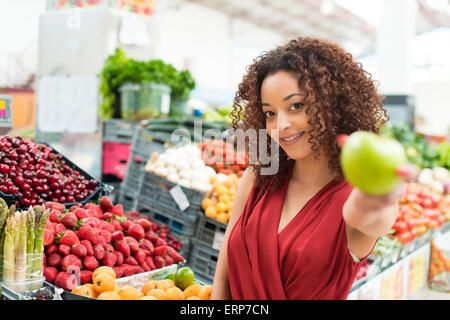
x,y
296,106
269,114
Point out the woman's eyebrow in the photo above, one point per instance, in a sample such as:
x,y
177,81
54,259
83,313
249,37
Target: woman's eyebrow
x,y
285,99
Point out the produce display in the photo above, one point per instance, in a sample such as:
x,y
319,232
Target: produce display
x,y
178,286
222,156
36,174
220,114
21,246
437,179
440,263
84,238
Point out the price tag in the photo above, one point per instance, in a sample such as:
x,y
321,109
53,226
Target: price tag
x,y
165,104
218,239
180,198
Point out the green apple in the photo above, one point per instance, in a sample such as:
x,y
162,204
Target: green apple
x,y
369,162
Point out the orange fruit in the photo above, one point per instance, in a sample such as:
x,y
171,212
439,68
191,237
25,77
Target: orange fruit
x,y
130,293
221,207
222,217
221,190
149,285
232,192
207,202
193,298
211,212
175,293
104,282
102,270
163,284
159,294
91,287
213,180
233,177
109,295
172,283
230,206
224,198
83,291
192,290
148,298
205,293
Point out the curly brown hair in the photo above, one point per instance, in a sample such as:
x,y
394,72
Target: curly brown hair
x,y
339,94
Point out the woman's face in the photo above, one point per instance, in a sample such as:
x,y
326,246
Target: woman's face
x,y
283,108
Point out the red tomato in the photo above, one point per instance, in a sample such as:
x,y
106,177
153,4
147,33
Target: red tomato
x,y
220,166
414,233
427,203
404,237
441,220
411,198
240,173
400,226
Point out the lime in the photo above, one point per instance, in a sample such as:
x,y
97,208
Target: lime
x,y
184,278
369,162
171,277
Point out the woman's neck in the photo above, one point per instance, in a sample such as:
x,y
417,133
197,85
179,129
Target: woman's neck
x,y
310,172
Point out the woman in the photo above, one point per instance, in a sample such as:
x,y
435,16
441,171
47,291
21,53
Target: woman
x,y
303,232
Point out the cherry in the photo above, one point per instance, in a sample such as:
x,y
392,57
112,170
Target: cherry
x,y
13,189
19,180
39,189
25,187
57,193
62,199
26,202
4,189
54,185
4,168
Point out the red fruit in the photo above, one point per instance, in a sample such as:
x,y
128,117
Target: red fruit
x,y
51,249
66,281
107,216
50,274
133,215
81,213
92,222
160,251
69,238
174,255
44,260
70,261
150,263
79,250
69,220
85,276
64,249
106,235
145,266
88,233
117,210
123,247
53,217
109,259
133,247
136,231
119,257
106,226
55,205
152,236
116,225
106,204
168,260
54,260
59,228
48,237
75,207
139,269
159,262
99,252
102,241
130,260
147,225
130,240
119,271
147,245
126,224
90,263
128,270
159,242
88,246
140,256
147,253
117,236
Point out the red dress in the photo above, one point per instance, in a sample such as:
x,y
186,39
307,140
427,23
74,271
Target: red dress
x,y
309,259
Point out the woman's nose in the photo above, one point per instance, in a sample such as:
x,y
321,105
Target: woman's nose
x,y
283,122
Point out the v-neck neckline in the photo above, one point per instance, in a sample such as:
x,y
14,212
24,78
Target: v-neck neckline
x,y
283,195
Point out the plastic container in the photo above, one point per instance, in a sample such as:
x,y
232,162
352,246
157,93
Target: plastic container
x,y
118,130
210,232
115,157
178,108
439,272
134,172
127,198
23,286
144,101
203,261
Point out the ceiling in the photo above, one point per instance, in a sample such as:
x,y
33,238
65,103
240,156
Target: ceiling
x,y
322,18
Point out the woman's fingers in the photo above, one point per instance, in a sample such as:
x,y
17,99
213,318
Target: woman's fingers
x,y
409,172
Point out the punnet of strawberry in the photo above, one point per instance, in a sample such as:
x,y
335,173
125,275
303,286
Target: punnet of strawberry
x,y
85,237
37,174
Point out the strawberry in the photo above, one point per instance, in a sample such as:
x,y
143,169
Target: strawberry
x,y
107,216
53,217
119,257
147,245
66,281
159,242
117,236
131,261
88,233
75,207
139,269
140,256
102,241
70,261
54,260
133,215
123,247
79,250
126,224
147,225
109,248
145,267
59,228
130,240
175,255
92,222
159,262
119,271
152,236
160,251
168,260
69,220
136,231
64,250
50,274
80,213
117,225
69,238
106,235
150,263
133,247
55,205
88,246
109,259
44,260
99,252
147,253
106,204
90,263
51,249
106,226
117,210
85,276
128,270
48,236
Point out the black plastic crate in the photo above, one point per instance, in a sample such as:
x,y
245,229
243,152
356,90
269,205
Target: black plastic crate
x,y
118,130
203,261
210,232
102,189
135,171
127,198
146,142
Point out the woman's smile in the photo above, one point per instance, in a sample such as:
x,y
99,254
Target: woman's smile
x,y
292,139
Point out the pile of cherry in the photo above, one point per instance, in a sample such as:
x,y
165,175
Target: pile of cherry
x,y
37,175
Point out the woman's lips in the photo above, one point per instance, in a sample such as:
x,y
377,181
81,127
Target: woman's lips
x,y
292,139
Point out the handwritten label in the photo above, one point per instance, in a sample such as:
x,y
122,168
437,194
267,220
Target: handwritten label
x,y
180,198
